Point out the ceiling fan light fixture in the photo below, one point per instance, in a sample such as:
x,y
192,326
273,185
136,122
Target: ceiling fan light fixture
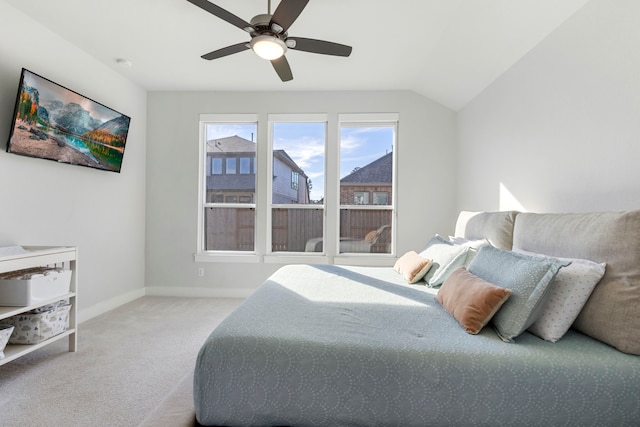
x,y
268,47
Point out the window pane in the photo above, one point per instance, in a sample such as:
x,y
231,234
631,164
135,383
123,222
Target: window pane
x,y
229,229
360,198
216,166
297,230
366,164
245,165
231,165
365,231
298,163
225,143
380,198
366,178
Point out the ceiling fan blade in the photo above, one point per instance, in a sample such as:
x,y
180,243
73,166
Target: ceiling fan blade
x,y
281,65
222,14
287,12
319,46
229,50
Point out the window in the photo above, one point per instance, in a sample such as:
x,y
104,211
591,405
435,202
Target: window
x,y
297,189
231,166
329,195
367,168
360,198
380,198
216,166
228,208
245,165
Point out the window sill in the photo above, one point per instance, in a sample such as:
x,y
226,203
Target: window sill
x,y
226,257
291,258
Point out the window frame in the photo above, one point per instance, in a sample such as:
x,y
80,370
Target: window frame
x,y
262,166
291,256
202,254
368,120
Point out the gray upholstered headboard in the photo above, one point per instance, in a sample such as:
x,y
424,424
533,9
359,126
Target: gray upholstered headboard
x,y
612,313
497,227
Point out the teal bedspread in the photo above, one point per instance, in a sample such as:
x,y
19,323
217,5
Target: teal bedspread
x,y
355,346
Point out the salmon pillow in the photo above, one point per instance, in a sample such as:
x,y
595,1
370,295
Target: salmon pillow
x,y
412,266
471,300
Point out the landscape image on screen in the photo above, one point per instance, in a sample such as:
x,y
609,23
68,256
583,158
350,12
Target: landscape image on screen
x,y
55,123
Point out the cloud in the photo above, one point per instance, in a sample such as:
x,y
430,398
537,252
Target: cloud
x,y
307,152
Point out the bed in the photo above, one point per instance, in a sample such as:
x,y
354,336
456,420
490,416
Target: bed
x,y
333,345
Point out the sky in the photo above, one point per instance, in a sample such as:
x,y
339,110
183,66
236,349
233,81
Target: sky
x,y
305,144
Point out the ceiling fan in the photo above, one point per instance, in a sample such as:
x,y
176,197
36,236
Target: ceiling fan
x,y
269,38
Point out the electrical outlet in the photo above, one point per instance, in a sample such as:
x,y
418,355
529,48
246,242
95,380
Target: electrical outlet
x,y
201,272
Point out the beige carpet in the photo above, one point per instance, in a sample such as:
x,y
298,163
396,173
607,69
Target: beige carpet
x,y
129,361
176,410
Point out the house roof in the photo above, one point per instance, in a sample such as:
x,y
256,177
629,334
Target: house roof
x,y
379,171
231,144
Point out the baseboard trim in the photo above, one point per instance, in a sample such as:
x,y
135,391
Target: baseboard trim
x,y
110,304
175,291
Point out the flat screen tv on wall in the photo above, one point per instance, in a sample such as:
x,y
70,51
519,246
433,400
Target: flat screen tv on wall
x,y
55,123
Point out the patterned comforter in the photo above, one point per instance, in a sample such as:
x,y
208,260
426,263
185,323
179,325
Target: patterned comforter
x,y
355,346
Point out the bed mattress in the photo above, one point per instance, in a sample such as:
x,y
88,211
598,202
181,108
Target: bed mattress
x,y
355,346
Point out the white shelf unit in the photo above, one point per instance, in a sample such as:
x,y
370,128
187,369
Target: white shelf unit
x,y
40,256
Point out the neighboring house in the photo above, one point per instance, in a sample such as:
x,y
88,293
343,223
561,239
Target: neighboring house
x,y
231,173
370,184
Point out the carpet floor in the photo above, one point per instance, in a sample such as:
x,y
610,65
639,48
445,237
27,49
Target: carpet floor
x,y
129,362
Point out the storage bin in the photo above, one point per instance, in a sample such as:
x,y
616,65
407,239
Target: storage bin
x,y
32,286
40,324
5,333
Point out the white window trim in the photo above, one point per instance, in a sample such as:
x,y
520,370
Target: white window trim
x,y
262,253
368,120
202,255
293,257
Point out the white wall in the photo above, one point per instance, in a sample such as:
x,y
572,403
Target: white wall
x,y
560,131
426,178
46,203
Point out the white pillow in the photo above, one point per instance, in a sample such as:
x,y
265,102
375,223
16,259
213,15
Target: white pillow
x,y
446,258
473,245
569,293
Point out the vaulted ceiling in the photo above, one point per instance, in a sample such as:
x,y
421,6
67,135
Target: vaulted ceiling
x,y
447,50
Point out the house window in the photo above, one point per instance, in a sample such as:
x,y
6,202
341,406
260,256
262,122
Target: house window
x,y
245,165
367,168
216,166
227,219
361,198
297,190
231,166
380,198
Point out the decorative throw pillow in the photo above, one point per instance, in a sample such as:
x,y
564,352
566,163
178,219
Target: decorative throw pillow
x,y
446,258
412,266
571,290
471,300
474,245
370,236
529,278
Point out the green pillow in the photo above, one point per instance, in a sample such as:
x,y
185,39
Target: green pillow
x,y
529,278
446,258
